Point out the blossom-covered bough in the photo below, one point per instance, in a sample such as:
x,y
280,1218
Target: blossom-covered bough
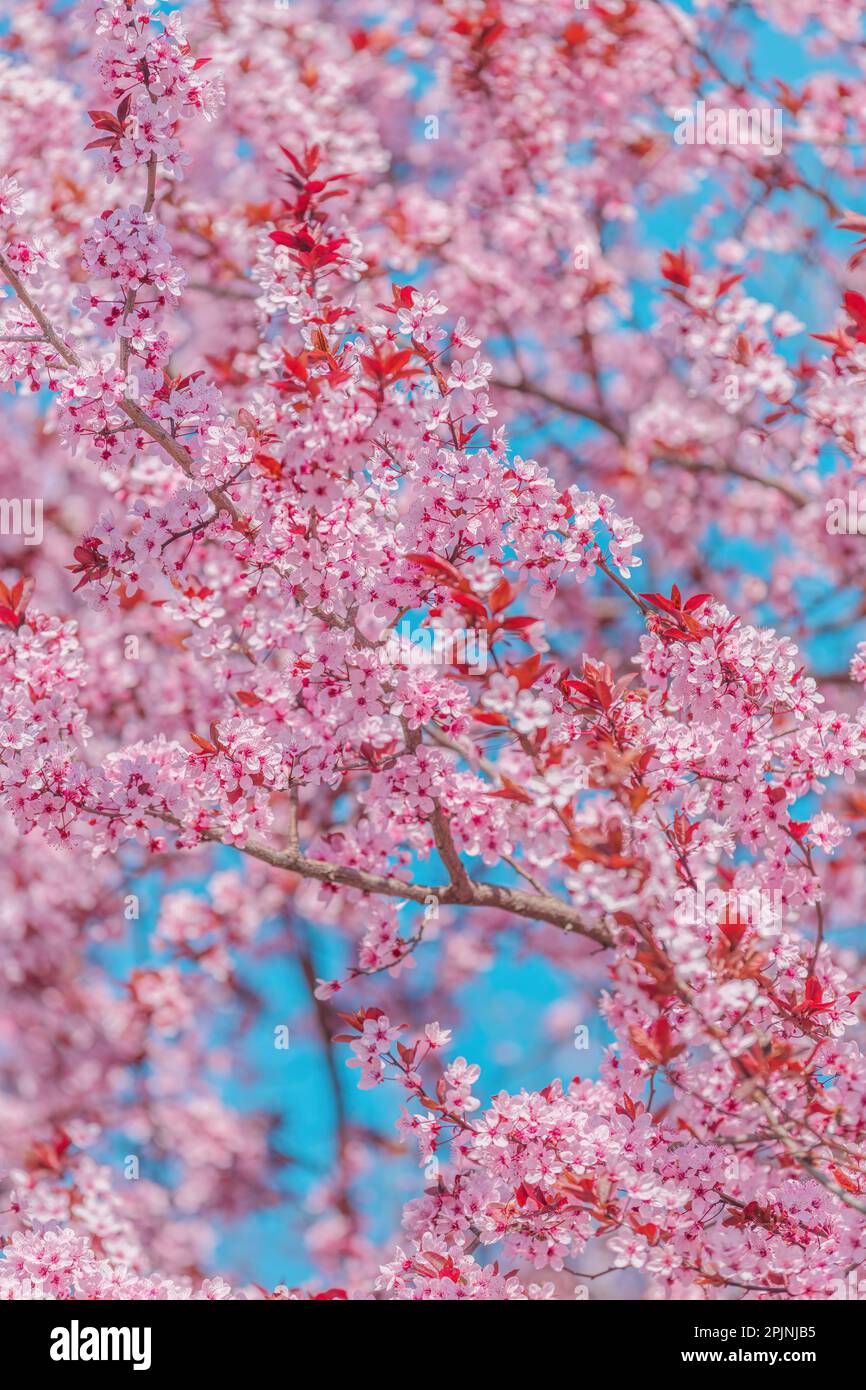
x,y
284,310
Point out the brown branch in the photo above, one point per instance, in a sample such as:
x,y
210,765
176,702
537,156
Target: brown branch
x,y
448,851
583,412
541,907
604,421
325,1024
440,826
803,1159
132,294
173,447
736,470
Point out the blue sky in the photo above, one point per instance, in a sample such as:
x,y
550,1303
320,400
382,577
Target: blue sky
x,y
502,1009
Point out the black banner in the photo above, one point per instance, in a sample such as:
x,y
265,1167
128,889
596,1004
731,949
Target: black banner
x,y
63,1339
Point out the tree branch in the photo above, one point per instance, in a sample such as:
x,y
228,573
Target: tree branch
x,y
583,412
181,455
529,388
542,907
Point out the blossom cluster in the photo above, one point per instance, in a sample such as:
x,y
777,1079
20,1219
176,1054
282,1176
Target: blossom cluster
x,y
366,370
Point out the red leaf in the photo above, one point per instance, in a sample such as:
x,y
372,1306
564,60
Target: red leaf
x,y
695,602
844,1181
675,267
527,671
469,602
519,623
485,716
503,595
435,564
856,307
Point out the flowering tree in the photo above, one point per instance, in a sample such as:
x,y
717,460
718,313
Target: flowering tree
x,y
287,303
